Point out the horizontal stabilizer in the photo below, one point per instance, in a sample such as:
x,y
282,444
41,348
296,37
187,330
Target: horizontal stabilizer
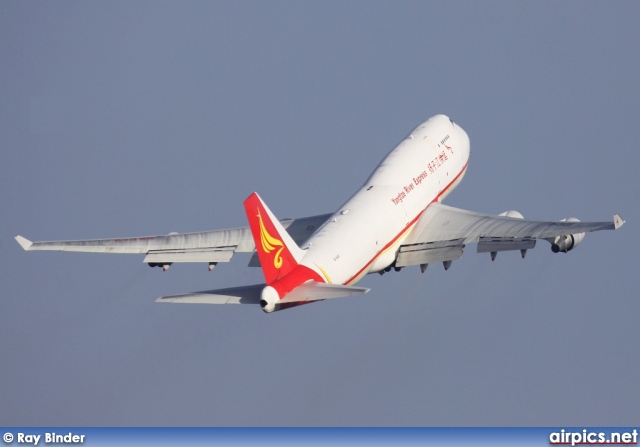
x,y
315,291
234,295
311,291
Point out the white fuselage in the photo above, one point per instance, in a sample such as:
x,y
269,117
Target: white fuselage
x,y
364,234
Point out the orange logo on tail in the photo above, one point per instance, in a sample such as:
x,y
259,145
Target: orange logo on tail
x,y
269,243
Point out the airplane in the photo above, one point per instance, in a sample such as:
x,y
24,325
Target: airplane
x,y
395,220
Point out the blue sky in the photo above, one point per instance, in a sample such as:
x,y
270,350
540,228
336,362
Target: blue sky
x,y
127,119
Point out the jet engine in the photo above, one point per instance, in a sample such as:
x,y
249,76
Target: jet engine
x,y
566,243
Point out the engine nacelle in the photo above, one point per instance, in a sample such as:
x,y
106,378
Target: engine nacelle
x,y
566,243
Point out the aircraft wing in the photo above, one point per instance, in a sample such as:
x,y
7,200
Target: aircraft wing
x,y
208,246
442,231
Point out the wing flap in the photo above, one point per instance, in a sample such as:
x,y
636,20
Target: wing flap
x,y
495,244
217,254
428,252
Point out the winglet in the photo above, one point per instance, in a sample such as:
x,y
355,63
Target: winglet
x,y
24,242
618,221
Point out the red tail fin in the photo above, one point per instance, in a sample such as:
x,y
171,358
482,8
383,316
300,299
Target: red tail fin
x,y
278,253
